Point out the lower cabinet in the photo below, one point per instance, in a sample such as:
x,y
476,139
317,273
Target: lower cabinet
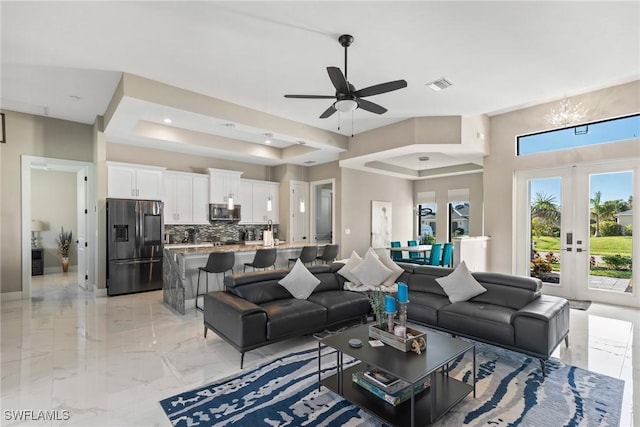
x,y
37,261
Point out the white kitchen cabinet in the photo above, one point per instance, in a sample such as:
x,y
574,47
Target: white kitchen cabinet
x,y
185,198
200,199
222,183
130,181
254,197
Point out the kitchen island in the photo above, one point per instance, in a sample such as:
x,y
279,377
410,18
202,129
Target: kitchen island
x,y
181,264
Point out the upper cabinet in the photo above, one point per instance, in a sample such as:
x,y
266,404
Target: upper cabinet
x,y
186,198
259,202
223,183
130,181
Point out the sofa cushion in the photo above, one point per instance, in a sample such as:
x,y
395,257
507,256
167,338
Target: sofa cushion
x,y
396,270
352,263
508,290
299,282
342,305
371,271
292,316
460,284
484,321
423,279
423,307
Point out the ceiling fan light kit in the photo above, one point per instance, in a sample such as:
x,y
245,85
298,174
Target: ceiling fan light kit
x,y
347,98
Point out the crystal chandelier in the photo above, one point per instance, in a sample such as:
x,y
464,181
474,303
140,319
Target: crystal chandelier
x,y
567,114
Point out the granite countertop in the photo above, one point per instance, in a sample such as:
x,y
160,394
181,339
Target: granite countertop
x,y
208,248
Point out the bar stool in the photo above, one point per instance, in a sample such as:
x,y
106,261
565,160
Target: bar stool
x,y
329,254
218,262
308,254
264,258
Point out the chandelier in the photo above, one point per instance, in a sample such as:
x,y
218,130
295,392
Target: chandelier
x,y
567,114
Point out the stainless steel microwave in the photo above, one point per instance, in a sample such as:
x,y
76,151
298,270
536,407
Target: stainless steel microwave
x,y
221,212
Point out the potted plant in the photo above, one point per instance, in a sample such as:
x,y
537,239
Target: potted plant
x,y
64,247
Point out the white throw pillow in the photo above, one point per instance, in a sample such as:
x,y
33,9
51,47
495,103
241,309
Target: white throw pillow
x,y
396,270
300,282
460,285
352,263
371,271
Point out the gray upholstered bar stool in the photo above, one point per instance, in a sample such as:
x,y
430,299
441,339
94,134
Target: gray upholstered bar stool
x,y
264,258
329,254
218,262
308,255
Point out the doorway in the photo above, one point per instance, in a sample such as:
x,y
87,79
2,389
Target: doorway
x,y
574,230
323,211
83,239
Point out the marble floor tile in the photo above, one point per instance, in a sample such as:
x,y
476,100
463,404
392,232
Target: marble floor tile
x,y
109,360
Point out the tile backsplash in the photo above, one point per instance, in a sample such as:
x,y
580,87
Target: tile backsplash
x,y
219,231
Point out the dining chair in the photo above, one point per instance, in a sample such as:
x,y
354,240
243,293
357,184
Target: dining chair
x,y
436,254
396,255
264,258
308,255
414,257
447,255
218,262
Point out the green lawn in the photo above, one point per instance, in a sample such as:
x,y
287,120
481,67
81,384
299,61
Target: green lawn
x,y
610,245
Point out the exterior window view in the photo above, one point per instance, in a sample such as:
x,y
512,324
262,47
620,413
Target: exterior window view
x,y
319,213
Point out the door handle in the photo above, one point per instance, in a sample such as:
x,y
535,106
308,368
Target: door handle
x,y
578,249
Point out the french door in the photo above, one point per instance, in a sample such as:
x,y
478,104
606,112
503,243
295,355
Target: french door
x,y
574,230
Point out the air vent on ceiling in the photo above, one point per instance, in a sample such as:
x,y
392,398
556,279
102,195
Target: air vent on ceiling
x,y
439,84
309,162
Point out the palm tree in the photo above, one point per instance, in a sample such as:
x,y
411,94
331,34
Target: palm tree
x,y
545,209
596,211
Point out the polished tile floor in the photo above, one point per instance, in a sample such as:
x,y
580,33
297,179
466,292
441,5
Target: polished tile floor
x,y
108,361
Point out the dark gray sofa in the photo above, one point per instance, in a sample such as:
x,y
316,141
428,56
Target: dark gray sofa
x,y
254,310
512,313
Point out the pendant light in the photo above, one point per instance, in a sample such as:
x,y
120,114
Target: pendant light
x,y
230,205
302,208
269,201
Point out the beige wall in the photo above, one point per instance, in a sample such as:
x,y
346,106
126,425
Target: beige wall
x,y
441,187
284,174
35,136
329,171
501,164
54,202
358,190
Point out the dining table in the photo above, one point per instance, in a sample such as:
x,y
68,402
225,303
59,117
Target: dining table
x,y
421,249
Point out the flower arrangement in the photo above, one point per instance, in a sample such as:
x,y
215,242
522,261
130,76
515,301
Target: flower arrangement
x,y
376,299
64,242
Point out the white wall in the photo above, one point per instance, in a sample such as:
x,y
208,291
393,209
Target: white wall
x,y
358,190
501,164
54,202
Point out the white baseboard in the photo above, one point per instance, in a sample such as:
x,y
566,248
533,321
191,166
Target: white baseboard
x,y
11,296
52,270
101,292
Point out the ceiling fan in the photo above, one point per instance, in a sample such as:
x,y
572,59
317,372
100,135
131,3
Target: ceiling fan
x,y
347,98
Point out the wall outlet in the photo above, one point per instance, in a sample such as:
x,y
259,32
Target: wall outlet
x,y
347,231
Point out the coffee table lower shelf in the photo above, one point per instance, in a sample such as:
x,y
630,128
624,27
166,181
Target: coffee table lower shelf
x,y
449,392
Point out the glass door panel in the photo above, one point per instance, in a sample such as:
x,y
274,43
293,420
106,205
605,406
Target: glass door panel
x,y
545,213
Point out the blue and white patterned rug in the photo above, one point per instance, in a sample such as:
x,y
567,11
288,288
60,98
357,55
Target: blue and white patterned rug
x,y
510,392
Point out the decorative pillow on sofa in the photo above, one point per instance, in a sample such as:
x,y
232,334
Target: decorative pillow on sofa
x,y
300,282
396,270
352,263
460,285
371,271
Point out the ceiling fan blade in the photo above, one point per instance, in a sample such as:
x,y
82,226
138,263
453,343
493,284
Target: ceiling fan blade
x,y
328,112
371,107
311,96
380,88
338,80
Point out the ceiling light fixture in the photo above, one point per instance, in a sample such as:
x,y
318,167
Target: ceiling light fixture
x,y
567,114
167,120
268,135
345,105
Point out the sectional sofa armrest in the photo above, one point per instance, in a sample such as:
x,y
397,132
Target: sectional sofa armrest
x,y
541,325
240,322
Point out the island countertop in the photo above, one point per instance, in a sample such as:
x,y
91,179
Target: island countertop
x,y
206,249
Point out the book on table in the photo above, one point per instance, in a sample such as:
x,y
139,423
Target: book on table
x,y
395,398
383,380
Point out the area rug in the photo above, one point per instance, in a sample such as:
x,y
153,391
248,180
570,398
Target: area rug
x,y
579,305
511,391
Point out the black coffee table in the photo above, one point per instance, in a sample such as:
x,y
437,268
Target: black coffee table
x,y
423,408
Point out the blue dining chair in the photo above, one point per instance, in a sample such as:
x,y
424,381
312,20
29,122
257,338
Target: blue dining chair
x,y
436,253
415,256
447,255
396,255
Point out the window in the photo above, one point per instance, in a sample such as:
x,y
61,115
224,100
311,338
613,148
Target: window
x,y
458,219
602,132
427,222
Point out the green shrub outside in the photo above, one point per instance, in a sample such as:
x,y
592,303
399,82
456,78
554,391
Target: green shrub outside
x,y
611,228
628,230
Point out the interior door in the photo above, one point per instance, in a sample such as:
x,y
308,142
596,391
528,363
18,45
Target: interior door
x,y
557,214
299,222
83,272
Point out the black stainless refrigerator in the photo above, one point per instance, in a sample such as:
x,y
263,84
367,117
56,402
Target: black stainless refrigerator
x,y
134,246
